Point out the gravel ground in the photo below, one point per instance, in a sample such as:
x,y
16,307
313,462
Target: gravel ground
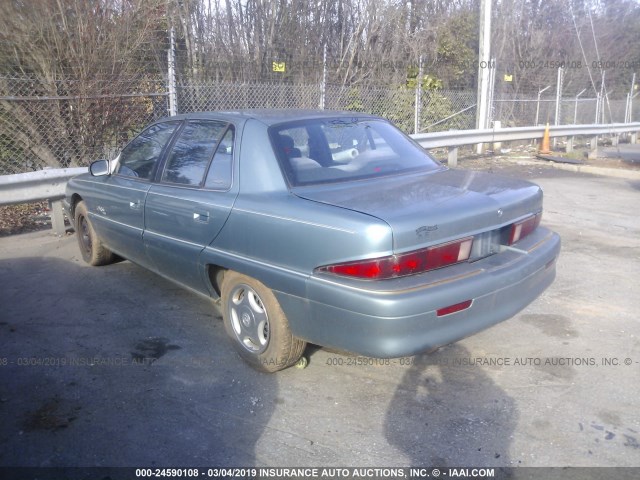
x,y
115,366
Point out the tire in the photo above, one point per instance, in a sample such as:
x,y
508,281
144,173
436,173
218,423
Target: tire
x,y
257,325
91,247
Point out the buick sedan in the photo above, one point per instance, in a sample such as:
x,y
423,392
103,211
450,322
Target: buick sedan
x,y
313,226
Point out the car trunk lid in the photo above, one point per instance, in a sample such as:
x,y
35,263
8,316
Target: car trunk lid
x,y
430,208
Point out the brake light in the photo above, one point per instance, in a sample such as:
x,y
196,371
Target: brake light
x,y
411,263
523,228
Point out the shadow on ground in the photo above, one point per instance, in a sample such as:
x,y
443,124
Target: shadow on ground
x,y
444,414
115,366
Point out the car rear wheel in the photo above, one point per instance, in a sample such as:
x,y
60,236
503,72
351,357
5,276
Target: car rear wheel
x,y
257,325
92,249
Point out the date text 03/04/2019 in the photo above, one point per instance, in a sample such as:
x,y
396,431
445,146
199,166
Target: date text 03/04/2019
x,y
316,472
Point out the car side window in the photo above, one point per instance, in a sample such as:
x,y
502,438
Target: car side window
x,y
139,157
191,152
219,175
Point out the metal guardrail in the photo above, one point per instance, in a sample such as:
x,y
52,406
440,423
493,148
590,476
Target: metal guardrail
x,y
50,184
457,138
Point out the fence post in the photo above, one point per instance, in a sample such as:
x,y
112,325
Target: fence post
x,y
171,74
569,148
575,121
418,99
452,157
628,114
492,87
594,147
323,85
57,217
497,125
540,92
558,99
575,111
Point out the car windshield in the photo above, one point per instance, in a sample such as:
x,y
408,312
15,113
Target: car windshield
x,y
343,149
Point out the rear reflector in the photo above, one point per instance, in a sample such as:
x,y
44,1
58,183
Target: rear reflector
x,y
453,308
410,263
523,228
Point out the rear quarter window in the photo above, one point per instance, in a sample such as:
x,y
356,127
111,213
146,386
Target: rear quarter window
x,y
192,151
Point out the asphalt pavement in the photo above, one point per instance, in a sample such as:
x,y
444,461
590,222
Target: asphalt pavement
x,y
115,366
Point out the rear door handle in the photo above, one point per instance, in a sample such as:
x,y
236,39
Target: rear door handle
x,y
202,217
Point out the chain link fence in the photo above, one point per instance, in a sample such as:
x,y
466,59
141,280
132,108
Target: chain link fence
x,y
234,96
440,110
67,123
63,124
519,111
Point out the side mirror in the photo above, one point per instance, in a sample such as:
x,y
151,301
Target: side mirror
x,y
99,168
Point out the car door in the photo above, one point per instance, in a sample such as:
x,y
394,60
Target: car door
x,y
118,216
189,203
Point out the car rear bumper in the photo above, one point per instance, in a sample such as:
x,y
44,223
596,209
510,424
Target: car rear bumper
x,y
398,318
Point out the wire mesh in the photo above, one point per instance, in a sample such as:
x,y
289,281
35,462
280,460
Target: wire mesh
x,y
62,126
68,123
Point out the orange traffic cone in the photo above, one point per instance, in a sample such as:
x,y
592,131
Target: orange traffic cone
x,y
545,148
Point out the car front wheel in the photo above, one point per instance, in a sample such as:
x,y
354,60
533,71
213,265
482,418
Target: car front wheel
x,y
92,249
257,325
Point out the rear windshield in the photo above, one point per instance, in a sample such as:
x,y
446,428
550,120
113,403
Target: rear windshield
x,y
343,149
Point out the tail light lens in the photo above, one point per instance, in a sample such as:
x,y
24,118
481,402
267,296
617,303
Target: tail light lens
x,y
410,263
458,307
523,228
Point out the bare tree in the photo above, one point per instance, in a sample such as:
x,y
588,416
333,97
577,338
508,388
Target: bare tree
x,y
76,57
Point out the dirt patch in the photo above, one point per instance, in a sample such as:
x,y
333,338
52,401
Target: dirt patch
x,y
52,415
27,217
610,161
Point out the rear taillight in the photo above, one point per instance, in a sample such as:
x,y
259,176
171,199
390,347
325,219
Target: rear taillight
x,y
410,263
523,228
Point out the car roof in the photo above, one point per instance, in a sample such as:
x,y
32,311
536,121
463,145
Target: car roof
x,y
270,116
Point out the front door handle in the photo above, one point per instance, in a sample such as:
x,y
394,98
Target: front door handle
x,y
202,217
135,205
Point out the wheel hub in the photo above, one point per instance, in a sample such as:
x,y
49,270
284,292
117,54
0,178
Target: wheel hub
x,y
249,319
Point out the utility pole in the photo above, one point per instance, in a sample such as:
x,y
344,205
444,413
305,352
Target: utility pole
x,y
484,63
